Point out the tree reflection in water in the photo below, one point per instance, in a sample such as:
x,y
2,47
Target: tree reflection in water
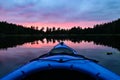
x,y
110,41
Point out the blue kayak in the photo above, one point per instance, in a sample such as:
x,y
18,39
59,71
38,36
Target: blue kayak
x,y
62,63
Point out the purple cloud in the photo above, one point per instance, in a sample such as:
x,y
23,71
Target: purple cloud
x,y
59,10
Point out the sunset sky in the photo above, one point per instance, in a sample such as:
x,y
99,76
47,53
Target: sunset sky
x,y
59,13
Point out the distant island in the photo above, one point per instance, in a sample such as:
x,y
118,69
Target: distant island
x,y
110,28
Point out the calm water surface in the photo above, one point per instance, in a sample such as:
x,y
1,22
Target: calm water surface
x,y
13,58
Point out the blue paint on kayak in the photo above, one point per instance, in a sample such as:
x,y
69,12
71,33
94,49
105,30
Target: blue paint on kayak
x,y
63,57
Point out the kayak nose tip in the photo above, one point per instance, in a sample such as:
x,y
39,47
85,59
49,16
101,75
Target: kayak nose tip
x,y
61,43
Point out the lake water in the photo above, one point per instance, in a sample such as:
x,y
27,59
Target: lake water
x,y
15,57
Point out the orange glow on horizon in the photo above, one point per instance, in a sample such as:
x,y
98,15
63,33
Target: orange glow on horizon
x,y
64,25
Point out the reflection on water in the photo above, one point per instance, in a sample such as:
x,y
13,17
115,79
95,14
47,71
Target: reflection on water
x,y
18,53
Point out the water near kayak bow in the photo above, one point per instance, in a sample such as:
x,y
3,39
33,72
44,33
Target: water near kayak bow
x,y
62,62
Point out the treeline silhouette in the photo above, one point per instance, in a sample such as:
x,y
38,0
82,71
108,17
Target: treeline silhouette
x,y
105,28
9,28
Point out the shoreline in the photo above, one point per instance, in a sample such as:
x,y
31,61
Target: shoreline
x,y
60,35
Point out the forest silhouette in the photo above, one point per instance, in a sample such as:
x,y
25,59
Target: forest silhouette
x,y
105,28
75,34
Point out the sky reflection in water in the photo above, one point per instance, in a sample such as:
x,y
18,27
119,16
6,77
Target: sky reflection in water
x,y
13,58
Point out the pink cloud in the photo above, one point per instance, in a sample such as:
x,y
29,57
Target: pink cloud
x,y
58,13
